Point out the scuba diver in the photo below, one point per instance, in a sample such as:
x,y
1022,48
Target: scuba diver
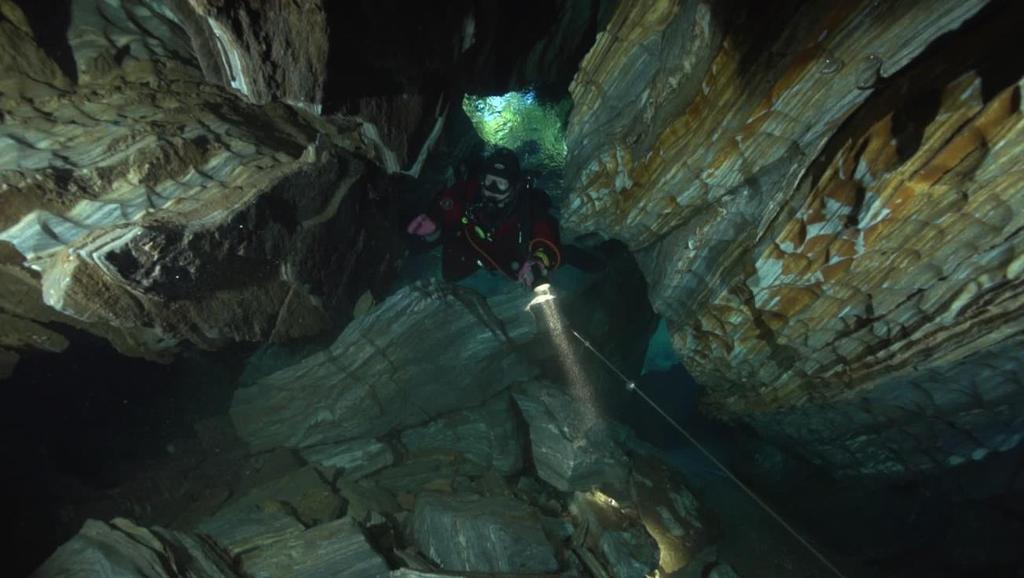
x,y
498,223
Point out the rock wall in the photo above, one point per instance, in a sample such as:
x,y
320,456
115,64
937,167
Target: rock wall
x,y
266,50
825,200
167,175
149,205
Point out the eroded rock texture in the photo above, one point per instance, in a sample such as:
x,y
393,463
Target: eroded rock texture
x,y
152,206
168,176
826,202
266,50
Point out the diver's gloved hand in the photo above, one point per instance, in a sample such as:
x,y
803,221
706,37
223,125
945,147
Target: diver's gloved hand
x,y
528,274
422,226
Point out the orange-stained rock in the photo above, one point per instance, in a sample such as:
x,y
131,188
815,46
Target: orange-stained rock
x,y
843,243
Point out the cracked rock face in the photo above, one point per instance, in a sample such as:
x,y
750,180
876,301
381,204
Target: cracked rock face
x,y
167,177
122,548
572,448
826,203
490,436
149,205
481,534
265,50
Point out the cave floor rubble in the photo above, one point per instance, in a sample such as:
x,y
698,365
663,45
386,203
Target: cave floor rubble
x,y
433,500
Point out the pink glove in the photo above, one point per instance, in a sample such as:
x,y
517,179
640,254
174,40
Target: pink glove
x,y
422,225
526,275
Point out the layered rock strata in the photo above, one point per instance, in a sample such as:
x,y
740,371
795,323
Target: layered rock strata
x,y
167,177
153,207
482,534
265,50
121,548
826,203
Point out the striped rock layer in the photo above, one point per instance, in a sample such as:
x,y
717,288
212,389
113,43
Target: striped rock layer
x,y
827,204
152,198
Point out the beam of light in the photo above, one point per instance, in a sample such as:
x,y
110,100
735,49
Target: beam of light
x,y
580,387
543,292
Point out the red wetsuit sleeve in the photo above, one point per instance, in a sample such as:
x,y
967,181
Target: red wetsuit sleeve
x,y
545,245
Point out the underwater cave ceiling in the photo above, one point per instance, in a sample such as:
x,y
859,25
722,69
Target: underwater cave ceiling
x,y
825,199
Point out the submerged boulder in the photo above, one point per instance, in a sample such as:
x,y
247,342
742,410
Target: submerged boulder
x,y
120,549
338,549
472,533
489,436
571,446
353,459
303,492
427,350
669,511
612,535
242,530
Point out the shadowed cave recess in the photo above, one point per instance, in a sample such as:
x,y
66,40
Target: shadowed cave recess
x,y
776,331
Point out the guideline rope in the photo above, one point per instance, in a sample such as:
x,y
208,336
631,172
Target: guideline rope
x,y
631,386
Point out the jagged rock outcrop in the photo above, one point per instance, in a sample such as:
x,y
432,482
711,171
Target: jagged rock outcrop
x,y
266,50
158,190
825,202
122,549
147,205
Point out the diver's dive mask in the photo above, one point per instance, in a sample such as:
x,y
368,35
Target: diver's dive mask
x,y
497,186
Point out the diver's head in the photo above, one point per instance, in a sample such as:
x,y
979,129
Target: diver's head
x,y
500,178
